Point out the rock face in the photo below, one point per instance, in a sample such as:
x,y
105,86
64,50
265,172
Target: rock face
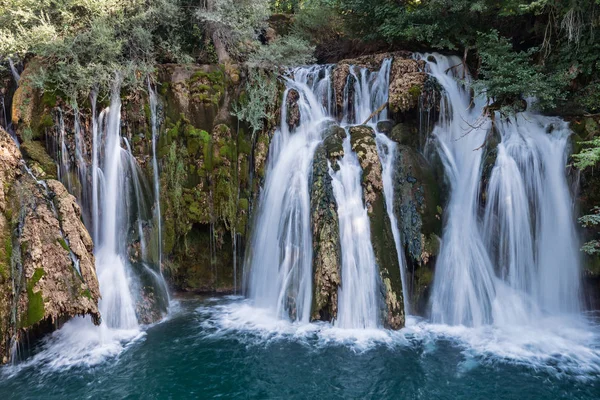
x,y
47,254
326,231
363,143
407,79
417,207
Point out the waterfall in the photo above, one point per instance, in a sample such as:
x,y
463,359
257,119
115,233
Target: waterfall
x,y
357,300
117,305
388,153
14,71
280,259
157,214
517,258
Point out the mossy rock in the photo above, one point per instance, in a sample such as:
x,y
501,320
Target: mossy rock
x,y
35,302
418,209
34,152
326,239
406,134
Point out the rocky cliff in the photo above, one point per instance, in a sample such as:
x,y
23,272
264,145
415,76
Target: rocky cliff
x,y
47,270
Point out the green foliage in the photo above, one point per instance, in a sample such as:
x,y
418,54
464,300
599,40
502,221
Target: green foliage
x,y
83,43
286,51
507,77
589,156
285,6
592,247
236,23
260,99
63,244
592,219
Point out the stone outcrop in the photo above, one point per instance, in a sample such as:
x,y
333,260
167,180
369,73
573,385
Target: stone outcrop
x,y
47,254
363,143
407,78
293,110
418,209
325,227
326,240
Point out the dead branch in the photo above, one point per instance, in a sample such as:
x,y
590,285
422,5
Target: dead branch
x,y
380,109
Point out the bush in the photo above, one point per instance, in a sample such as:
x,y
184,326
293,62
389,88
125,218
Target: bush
x,y
285,51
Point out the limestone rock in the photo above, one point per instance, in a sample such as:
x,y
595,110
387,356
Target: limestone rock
x,y
363,143
38,236
417,207
407,78
326,240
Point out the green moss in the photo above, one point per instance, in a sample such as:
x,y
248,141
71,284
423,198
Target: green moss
x,y
50,98
63,244
35,304
7,259
86,293
415,92
34,150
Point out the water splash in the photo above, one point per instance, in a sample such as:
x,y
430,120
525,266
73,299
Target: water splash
x,y
521,262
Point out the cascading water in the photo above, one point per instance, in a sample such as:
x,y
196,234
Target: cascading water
x,y
388,153
157,214
280,258
522,258
117,305
282,246
357,296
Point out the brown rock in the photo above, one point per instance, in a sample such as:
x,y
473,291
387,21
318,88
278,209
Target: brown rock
x,y
37,236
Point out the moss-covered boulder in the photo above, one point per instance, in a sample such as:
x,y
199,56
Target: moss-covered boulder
x,y
488,160
419,213
406,134
363,143
195,91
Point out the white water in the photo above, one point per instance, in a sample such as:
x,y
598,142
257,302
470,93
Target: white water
x,y
388,152
117,305
280,259
157,214
357,295
14,71
521,262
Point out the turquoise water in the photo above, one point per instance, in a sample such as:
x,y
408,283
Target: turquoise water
x,y
224,348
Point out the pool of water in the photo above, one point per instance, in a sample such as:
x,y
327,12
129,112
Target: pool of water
x,y
223,347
